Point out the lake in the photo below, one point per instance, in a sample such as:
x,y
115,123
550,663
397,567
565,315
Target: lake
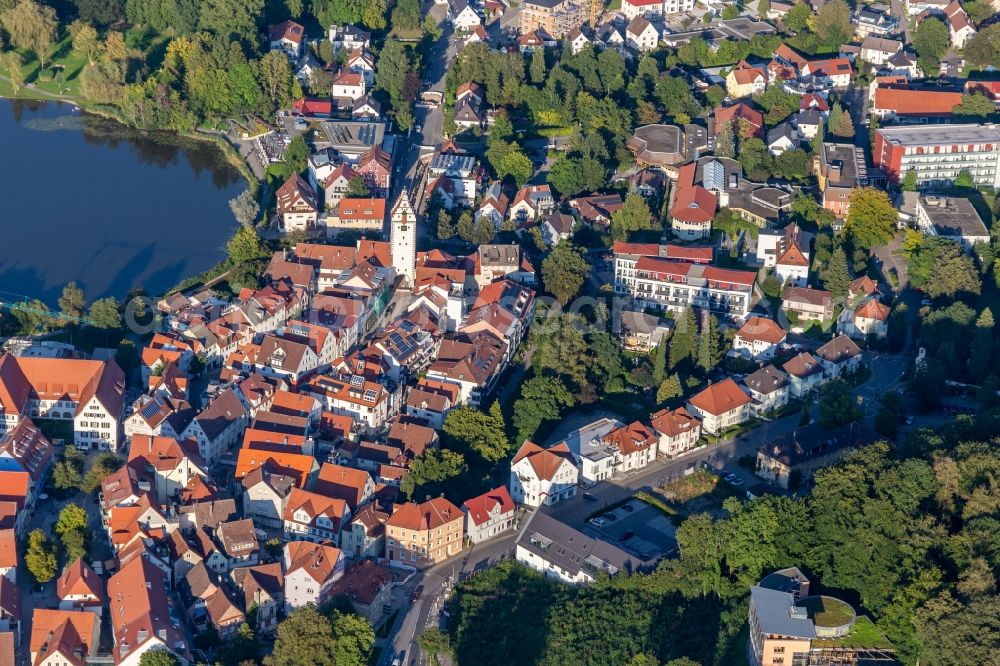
x,y
87,199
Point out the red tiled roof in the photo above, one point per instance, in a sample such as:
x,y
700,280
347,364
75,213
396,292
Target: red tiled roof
x,y
717,399
904,102
759,328
424,516
481,508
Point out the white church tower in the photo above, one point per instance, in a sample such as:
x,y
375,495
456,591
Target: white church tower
x,y
403,238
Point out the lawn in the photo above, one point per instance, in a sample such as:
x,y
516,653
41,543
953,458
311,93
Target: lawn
x,y
864,634
827,611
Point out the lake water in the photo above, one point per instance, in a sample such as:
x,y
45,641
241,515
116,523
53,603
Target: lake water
x,y
86,199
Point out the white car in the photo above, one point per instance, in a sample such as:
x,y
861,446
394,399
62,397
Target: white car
x,y
598,522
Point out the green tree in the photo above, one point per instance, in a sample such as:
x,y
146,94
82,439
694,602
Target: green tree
x,y
159,657
763,7
725,142
964,179
940,267
683,343
245,207
356,187
71,303
561,347
517,165
355,638
871,219
72,517
40,557
833,24
709,349
434,467
837,405
85,40
564,271
976,105
297,155
433,642
543,397
669,388
13,63
841,124
537,69
981,351
479,431
931,41
31,26
276,78
67,472
305,638
104,464
104,314
837,277
660,362
797,18
245,246
909,183
633,216
232,20
406,15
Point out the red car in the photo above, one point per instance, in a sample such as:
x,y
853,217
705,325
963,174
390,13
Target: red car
x,y
417,591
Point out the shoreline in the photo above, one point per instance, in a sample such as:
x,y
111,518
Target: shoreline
x,y
230,154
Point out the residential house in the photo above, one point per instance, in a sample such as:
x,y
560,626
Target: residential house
x,y
720,406
635,446
494,205
745,120
143,612
869,318
960,26
745,80
80,589
542,476
286,36
349,37
63,637
356,214
375,168
758,338
489,514
369,587
364,536
787,252
366,107
531,203
678,431
238,539
424,534
769,389
431,401
792,458
878,50
314,517
557,227
694,207
336,186
298,205
169,462
805,374
218,427
783,137
473,363
633,8
361,61
462,15
262,590
347,87
641,35
311,570
265,494
807,304
840,356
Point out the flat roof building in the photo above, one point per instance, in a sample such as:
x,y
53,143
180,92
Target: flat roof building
x,y
937,154
953,218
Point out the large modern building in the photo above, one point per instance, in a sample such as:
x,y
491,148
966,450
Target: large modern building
x,y
555,17
937,154
674,285
953,218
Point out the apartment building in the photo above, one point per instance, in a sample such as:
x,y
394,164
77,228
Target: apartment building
x,y
673,285
555,17
938,153
678,430
424,534
720,406
542,476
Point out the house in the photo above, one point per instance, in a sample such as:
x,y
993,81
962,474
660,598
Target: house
x,y
431,401
647,8
171,463
262,590
840,356
787,252
558,551
473,363
90,394
357,214
265,493
744,119
869,318
792,458
424,534
314,517
375,168
462,15
286,36
366,107
642,332
298,205
469,113
478,35
353,486
63,637
362,62
369,587
720,406
781,138
861,287
807,304
960,27
80,589
25,448
578,40
678,431
364,536
349,37
807,122
489,514
238,539
694,207
347,87
664,146
557,227
758,338
143,612
953,218
908,105
311,570
218,427
531,203
872,21
641,35
310,107
769,389
208,602
494,205
805,374
745,80
635,446
878,50
542,476
8,555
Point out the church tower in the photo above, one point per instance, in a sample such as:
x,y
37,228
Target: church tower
x,y
403,238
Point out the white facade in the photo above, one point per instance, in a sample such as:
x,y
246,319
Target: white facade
x,y
403,234
526,487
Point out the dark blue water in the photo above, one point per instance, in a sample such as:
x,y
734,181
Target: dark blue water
x,y
86,199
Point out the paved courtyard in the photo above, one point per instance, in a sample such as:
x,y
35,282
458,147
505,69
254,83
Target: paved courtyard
x,y
653,534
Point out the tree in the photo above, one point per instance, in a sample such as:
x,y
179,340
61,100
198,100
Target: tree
x,y
159,657
909,183
73,531
833,24
837,406
355,638
670,388
104,464
356,187
940,267
564,271
31,26
434,467
72,517
71,302
104,314
543,398
763,7
560,346
445,229
85,40
245,207
482,432
981,350
837,277
709,352
305,638
725,142
660,362
517,165
434,642
245,246
976,105
931,41
276,78
683,341
40,557
297,155
114,48
871,219
634,215
798,17
67,472
12,62
231,20
841,124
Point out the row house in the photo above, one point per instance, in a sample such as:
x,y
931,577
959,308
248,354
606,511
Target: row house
x,y
79,588
314,517
369,587
635,446
158,415
262,590
353,486
407,348
364,536
171,464
365,214
218,427
489,514
63,637
431,400
424,534
208,602
143,612
90,394
302,468
27,454
266,488
542,476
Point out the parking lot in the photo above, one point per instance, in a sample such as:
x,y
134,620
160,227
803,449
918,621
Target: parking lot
x,y
646,531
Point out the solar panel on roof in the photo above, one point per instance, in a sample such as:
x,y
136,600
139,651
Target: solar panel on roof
x,y
150,408
370,395
357,381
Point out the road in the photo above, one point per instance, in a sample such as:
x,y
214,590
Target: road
x,y
897,9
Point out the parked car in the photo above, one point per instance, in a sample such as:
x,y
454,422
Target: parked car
x,y
737,482
590,497
400,658
730,477
626,535
610,516
417,591
628,507
598,522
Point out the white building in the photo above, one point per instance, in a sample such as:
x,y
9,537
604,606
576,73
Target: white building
x,y
678,431
542,476
489,514
758,338
720,406
953,218
787,252
403,235
311,569
768,388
